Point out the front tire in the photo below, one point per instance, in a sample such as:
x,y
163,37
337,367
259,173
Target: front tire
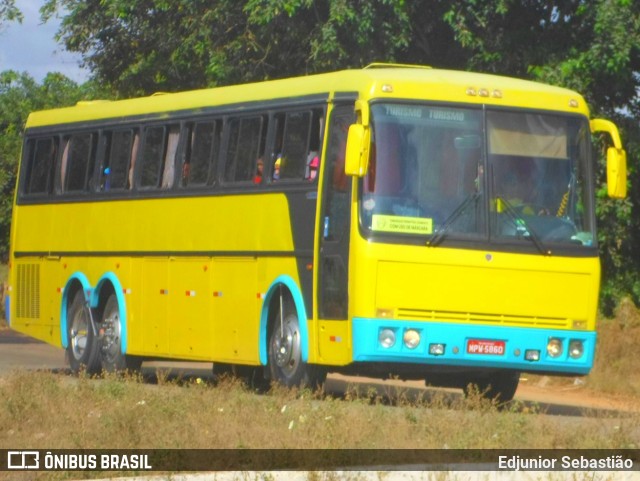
x,y
83,349
285,352
113,359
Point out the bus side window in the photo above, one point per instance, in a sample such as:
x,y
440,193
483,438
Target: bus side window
x,y
152,156
77,162
245,147
313,158
41,155
297,145
201,156
168,173
114,171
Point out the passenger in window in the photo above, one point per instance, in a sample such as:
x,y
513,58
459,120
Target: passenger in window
x,y
106,179
313,162
257,178
186,171
276,167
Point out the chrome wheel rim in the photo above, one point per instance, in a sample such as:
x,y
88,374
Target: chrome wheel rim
x,y
286,346
111,336
79,334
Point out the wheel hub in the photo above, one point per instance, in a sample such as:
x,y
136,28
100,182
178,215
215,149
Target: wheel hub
x,y
287,348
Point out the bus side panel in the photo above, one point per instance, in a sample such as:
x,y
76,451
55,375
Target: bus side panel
x,y
154,305
190,296
236,310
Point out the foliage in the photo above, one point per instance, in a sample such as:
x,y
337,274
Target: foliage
x,y
19,95
153,45
594,48
136,47
9,12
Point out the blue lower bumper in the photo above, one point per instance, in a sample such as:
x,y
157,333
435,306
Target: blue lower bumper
x,y
456,340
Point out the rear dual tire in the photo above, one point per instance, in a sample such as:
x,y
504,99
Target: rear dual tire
x,y
88,351
83,350
113,360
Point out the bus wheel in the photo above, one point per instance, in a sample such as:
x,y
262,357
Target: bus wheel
x,y
82,347
285,353
113,359
500,386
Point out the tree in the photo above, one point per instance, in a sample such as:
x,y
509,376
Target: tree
x,y
594,48
142,46
19,95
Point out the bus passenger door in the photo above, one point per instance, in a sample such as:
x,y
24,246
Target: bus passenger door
x,y
335,220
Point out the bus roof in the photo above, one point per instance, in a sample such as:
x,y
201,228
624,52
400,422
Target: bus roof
x,y
376,82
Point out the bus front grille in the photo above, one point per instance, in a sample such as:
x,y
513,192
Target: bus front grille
x,y
28,291
476,317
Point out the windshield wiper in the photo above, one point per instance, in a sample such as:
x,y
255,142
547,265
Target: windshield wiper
x,y
446,225
523,228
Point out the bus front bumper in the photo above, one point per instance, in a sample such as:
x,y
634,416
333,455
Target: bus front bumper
x,y
471,345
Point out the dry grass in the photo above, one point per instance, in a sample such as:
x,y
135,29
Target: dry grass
x,y
42,410
617,365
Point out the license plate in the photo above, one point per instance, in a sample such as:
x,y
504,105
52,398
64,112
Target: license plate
x,y
476,346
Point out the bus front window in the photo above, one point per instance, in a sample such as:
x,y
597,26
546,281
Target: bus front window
x,y
539,178
424,172
486,176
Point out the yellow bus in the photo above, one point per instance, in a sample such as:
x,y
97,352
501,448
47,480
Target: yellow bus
x,y
392,220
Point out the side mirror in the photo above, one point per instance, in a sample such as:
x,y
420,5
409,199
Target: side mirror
x,y
616,159
357,156
616,173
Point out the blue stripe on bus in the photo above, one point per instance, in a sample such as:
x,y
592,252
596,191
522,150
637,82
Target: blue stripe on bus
x,y
366,347
111,278
86,287
298,301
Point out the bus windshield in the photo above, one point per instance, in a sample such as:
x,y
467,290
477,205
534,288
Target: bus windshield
x,y
519,178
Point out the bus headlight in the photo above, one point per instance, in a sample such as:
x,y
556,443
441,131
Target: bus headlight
x,y
411,338
576,349
387,338
554,347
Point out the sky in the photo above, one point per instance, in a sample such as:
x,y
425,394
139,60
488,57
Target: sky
x,y
30,46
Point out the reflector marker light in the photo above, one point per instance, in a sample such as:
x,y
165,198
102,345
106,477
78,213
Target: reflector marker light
x,y
190,293
60,290
260,295
126,290
335,338
217,293
164,292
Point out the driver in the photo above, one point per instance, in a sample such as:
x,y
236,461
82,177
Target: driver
x,y
518,187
